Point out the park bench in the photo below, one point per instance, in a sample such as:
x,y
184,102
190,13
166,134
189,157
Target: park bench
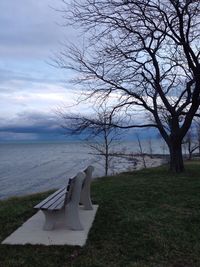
x,y
63,205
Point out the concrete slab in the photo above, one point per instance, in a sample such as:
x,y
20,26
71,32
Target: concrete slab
x,y
31,231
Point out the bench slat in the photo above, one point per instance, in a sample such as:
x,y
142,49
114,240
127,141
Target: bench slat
x,y
51,197
58,204
54,199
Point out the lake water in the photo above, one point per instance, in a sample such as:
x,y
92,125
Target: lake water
x,y
34,167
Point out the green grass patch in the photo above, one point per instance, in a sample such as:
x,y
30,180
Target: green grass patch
x,y
148,218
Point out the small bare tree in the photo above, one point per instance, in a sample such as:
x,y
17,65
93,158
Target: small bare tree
x,y
191,143
99,130
150,147
141,151
197,132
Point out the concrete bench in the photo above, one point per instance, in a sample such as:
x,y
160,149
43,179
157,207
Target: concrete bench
x,y
63,205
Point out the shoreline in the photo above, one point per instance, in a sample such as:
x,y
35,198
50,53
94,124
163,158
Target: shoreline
x,y
129,162
43,170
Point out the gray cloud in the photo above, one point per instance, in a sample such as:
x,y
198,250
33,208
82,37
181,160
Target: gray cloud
x,y
31,119
30,28
29,35
39,125
9,75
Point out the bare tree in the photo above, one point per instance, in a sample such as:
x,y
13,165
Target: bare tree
x,y
141,152
197,131
190,143
98,129
150,147
191,140
145,54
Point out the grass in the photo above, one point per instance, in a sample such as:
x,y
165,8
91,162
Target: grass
x,y
147,218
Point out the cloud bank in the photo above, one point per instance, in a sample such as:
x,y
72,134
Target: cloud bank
x,y
31,126
30,89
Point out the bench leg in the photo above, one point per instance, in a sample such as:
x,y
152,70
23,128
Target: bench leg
x,y
72,219
50,219
85,199
85,193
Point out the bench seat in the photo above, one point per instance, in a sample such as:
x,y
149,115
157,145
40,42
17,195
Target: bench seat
x,y
55,201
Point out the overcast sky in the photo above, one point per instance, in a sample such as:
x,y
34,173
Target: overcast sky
x,y
30,88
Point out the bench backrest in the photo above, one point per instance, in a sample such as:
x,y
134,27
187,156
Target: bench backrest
x,y
69,189
88,172
74,187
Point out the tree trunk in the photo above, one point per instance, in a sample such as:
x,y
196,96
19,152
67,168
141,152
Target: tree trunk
x,y
176,157
106,164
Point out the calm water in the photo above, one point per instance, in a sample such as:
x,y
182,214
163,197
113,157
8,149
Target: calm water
x,y
28,168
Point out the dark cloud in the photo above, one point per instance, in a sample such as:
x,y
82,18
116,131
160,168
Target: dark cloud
x,y
38,129
37,126
40,124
